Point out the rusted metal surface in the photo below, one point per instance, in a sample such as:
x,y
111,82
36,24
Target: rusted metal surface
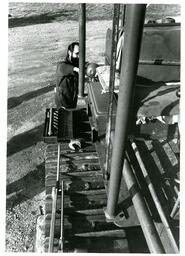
x,y
85,197
84,223
83,215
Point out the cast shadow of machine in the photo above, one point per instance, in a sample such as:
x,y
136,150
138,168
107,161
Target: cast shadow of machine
x,y
24,140
25,188
15,101
39,19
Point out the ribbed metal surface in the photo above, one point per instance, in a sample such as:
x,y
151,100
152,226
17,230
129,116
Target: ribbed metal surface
x,y
85,226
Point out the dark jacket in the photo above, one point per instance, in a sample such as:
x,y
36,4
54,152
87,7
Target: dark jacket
x,y
66,85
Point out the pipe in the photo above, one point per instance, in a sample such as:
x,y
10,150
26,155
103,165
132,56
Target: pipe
x,y
123,10
58,164
155,198
115,31
135,15
54,204
50,122
175,208
53,217
82,34
147,225
62,218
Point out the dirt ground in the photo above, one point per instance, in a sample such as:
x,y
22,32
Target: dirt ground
x,y
33,53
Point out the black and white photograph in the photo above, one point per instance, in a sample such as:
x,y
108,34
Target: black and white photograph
x,y
93,131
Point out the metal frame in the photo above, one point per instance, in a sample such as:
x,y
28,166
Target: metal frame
x,y
135,15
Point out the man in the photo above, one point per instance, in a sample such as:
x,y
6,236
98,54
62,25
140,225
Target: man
x,y
67,79
66,95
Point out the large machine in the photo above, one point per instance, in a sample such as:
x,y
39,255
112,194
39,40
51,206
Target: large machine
x,y
118,191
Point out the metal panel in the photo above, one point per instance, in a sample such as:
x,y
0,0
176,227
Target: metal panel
x,y
160,44
99,106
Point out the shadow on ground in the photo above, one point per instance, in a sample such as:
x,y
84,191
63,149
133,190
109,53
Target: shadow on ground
x,y
26,187
42,18
25,140
15,101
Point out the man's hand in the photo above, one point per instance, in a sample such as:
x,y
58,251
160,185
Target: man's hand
x,y
76,69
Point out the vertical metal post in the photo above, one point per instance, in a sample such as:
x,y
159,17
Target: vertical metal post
x,y
62,217
147,225
53,218
54,204
82,37
123,10
115,31
135,15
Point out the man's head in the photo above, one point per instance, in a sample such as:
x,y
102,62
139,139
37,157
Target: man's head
x,y
73,53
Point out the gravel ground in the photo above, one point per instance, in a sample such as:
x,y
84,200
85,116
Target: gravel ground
x,y
34,50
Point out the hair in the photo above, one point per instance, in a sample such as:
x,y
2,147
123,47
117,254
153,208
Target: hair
x,y
71,47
